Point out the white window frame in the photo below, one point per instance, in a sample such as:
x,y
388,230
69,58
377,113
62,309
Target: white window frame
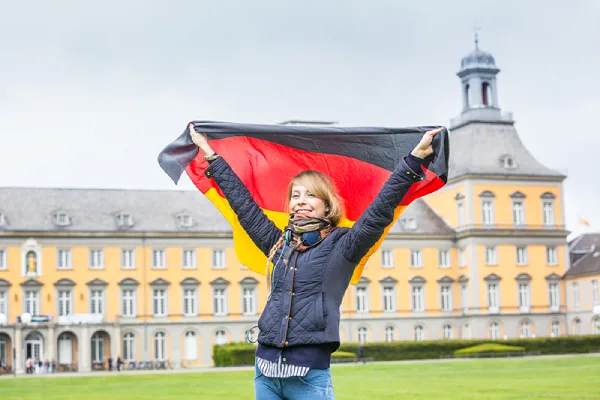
x,y
518,212
98,348
221,337
362,299
419,333
219,301
4,303
65,302
522,255
389,334
96,259
96,301
524,295
128,258
190,346
3,259
595,294
363,335
129,300
387,258
249,300
64,259
551,255
555,330
576,295
218,259
189,259
493,296
160,346
446,298
190,301
487,211
159,258
466,332
160,307
389,298
525,329
548,212
129,347
462,257
554,295
491,255
464,298
444,258
447,332
31,304
494,331
416,258
417,295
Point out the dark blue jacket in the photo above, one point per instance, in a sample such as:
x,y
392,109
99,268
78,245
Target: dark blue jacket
x,y
304,306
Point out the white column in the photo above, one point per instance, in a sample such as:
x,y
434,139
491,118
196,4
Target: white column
x,y
207,347
84,355
175,347
115,344
51,352
19,353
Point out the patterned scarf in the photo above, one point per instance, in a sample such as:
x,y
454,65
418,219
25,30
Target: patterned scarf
x,y
299,224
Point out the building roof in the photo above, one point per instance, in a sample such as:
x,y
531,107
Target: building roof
x,y
97,210
483,148
584,252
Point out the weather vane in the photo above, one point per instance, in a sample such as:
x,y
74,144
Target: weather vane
x,y
476,29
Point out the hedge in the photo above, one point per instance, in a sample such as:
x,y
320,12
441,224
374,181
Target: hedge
x,y
243,353
488,348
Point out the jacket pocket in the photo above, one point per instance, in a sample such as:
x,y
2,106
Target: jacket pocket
x,y
319,313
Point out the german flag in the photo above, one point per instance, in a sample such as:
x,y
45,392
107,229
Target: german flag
x,y
267,157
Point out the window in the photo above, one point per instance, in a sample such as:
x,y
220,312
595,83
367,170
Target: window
x,y
446,298
190,306
98,345
64,303
594,285
526,329
387,259
555,329
577,326
219,301
63,260
491,255
508,162
96,302
466,331
32,302
447,332
494,331
596,326
524,297
127,259
3,262
160,346
128,347
551,255
220,337
554,294
493,297
129,303
159,259
409,224
522,256
444,258
65,348
159,302
62,219
464,298
418,298
416,259
218,259
389,299
96,259
460,211
4,304
249,300
487,212
190,346
185,221
361,299
462,257
419,333
548,212
518,212
189,259
389,334
363,335
575,295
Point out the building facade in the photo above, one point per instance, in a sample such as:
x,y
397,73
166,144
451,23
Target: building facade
x,y
152,276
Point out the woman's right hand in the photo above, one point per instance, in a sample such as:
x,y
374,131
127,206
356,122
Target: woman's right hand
x,y
201,141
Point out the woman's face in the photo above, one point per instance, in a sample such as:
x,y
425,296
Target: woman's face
x,y
304,203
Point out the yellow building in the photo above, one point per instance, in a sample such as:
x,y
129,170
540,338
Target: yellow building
x,y
152,276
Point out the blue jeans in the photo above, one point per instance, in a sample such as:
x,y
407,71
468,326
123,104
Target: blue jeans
x,y
316,384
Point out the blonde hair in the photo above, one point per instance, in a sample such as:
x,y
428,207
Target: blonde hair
x,y
322,187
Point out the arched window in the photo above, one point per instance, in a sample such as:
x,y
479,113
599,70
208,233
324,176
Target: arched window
x,y
220,337
389,334
363,335
191,346
467,96
419,333
447,331
486,94
160,347
129,347
494,331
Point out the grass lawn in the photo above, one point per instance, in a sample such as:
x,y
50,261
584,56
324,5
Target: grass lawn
x,y
532,378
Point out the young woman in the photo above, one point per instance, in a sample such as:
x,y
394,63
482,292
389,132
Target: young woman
x,y
309,268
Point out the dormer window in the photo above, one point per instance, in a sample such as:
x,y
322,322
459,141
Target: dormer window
x,y
124,220
409,224
185,220
62,219
508,162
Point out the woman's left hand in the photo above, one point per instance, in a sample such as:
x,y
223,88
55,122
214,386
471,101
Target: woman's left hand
x,y
425,148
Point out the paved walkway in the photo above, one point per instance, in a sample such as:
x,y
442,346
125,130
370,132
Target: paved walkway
x,y
250,368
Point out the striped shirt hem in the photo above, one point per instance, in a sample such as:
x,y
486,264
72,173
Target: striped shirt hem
x,y
277,369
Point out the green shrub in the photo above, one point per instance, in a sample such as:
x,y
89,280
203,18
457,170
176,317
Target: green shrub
x,y
487,348
233,354
343,355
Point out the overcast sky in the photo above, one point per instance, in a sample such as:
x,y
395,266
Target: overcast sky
x,y
91,91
